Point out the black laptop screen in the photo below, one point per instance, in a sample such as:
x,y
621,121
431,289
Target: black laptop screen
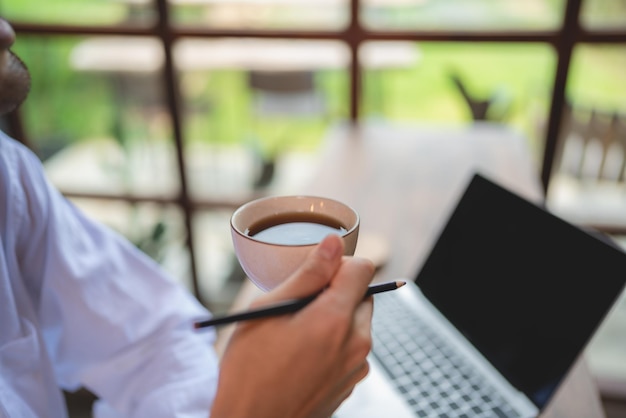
x,y
526,288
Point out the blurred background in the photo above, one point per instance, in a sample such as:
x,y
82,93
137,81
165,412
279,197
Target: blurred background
x,y
159,117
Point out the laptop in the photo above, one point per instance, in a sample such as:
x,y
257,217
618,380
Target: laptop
x,y
498,314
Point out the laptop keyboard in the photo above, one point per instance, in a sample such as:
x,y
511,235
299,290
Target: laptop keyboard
x,y
435,381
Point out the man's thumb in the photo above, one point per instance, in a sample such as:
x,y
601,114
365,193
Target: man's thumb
x,y
315,273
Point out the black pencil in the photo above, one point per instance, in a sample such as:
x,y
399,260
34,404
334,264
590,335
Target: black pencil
x,y
288,306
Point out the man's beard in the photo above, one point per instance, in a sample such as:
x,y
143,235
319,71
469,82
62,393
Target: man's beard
x,y
14,82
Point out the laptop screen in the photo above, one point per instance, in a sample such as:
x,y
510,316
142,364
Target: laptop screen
x,y
526,288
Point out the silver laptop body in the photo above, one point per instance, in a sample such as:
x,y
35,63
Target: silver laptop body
x,y
421,366
498,314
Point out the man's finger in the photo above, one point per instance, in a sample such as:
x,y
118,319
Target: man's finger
x,y
350,285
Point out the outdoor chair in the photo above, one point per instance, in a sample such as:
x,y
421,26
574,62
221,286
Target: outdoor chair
x,y
588,184
492,108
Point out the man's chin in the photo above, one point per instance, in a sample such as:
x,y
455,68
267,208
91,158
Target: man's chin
x,y
11,102
8,107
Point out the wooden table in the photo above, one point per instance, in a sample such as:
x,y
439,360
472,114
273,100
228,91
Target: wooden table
x,y
404,181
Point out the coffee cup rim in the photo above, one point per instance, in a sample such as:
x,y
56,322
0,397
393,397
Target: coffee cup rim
x,y
242,234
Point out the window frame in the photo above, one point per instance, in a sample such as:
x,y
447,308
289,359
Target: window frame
x,y
562,39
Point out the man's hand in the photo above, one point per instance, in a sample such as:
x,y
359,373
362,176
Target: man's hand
x,y
304,364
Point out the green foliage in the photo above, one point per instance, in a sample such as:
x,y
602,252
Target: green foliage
x,y
155,242
598,77
87,12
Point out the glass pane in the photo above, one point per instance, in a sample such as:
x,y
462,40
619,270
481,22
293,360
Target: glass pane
x,y
587,185
597,77
479,15
95,108
157,230
219,272
511,81
84,12
604,14
262,14
255,106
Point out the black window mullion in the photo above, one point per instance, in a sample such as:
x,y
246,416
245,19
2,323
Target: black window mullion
x,y
565,44
172,95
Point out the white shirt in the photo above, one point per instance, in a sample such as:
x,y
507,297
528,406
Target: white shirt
x,y
80,306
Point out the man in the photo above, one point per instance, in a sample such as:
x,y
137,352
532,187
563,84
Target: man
x,y
81,307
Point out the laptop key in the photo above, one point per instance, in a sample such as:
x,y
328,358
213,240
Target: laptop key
x,y
476,409
501,414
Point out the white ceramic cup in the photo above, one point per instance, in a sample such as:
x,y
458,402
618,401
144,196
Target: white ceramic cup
x,y
268,264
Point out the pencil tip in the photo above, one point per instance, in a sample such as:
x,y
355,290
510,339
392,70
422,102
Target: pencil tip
x,y
400,283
